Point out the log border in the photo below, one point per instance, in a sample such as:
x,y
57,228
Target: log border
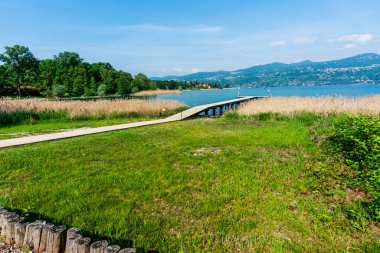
x,y
42,237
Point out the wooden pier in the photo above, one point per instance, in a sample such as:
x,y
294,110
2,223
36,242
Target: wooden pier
x,y
202,110
213,109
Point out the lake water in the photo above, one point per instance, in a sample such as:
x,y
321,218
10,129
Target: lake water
x,y
201,97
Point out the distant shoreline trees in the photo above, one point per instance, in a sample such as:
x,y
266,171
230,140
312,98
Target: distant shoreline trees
x,y
68,75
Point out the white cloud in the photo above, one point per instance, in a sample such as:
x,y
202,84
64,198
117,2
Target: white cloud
x,y
143,28
180,70
354,39
350,45
278,43
207,29
304,40
195,70
154,28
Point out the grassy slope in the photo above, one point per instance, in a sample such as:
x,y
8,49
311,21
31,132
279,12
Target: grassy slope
x,y
200,184
57,125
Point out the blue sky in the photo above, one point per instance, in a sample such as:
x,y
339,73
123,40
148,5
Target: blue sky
x,y
175,37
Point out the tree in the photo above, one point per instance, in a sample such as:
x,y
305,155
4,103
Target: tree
x,y
68,59
102,90
80,81
98,69
22,65
58,90
47,70
3,79
142,82
124,82
93,86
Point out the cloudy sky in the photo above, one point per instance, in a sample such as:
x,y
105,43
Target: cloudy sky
x,y
176,37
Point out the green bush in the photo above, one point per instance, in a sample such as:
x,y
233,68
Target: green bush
x,y
102,90
357,140
58,90
134,90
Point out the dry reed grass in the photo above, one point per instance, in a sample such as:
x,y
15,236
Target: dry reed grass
x,y
93,109
288,105
156,92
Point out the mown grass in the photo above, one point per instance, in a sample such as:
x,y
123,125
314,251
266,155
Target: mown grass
x,y
205,185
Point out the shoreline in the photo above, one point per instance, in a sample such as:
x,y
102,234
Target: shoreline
x,y
149,93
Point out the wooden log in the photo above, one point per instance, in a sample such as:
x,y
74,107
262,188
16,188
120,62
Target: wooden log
x,y
28,235
8,221
19,234
3,218
56,237
10,231
127,250
44,233
71,246
113,249
71,235
36,237
28,238
83,245
98,247
2,211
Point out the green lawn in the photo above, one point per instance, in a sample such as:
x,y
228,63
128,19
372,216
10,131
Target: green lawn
x,y
204,185
57,125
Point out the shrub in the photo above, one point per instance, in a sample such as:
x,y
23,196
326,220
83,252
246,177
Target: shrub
x,y
102,90
58,90
357,140
134,90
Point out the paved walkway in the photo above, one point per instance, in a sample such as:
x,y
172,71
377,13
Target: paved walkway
x,y
75,133
80,132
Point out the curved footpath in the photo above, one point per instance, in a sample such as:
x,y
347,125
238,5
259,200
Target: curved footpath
x,y
80,132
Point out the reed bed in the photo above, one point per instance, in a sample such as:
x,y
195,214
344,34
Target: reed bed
x,y
146,93
369,105
90,109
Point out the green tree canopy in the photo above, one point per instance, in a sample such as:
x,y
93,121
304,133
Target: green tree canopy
x,y
142,82
21,64
68,59
67,73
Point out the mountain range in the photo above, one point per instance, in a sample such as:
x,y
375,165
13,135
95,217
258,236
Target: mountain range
x,y
359,69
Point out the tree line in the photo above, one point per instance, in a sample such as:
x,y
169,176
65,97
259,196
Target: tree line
x,y
64,75
68,75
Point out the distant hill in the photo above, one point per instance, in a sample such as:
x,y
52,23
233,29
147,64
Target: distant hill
x,y
363,68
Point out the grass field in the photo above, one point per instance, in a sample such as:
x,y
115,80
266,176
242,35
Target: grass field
x,y
205,185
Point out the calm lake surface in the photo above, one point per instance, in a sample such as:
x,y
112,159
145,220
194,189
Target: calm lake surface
x,y
201,97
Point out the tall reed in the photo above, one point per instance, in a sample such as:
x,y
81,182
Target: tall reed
x,y
13,110
288,105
